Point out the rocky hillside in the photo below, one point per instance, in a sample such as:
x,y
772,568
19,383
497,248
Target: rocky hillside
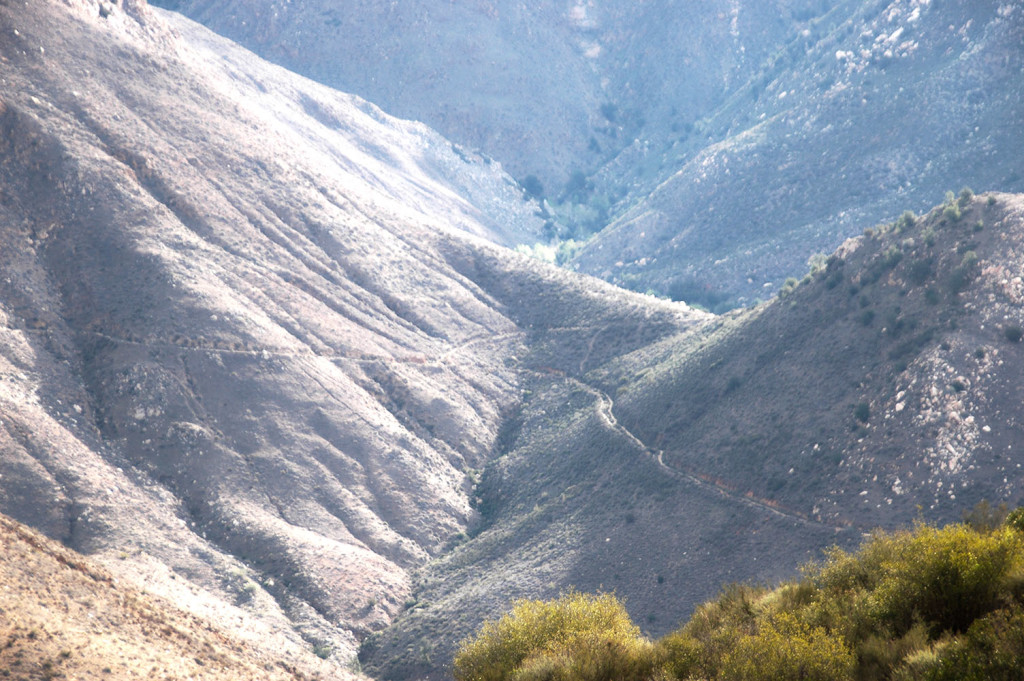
x,y
871,109
247,357
883,387
66,617
718,146
261,356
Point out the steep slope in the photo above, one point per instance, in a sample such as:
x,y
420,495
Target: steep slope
x,y
871,109
65,617
884,388
892,375
256,357
546,88
244,359
720,145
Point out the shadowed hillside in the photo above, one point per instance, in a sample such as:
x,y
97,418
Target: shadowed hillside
x,y
881,387
261,355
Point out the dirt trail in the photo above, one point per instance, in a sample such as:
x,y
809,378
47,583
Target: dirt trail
x,y
605,411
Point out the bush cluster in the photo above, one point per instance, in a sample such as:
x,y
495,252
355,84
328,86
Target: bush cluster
x,y
577,636
926,604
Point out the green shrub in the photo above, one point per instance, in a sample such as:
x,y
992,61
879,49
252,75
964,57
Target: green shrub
x,y
786,648
681,656
1015,520
922,605
985,517
992,650
928,236
879,654
964,273
946,577
818,262
906,220
892,256
1013,333
952,212
862,412
591,658
697,650
920,270
539,637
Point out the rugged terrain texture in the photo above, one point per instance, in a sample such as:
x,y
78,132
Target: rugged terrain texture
x,y
63,616
245,356
871,109
885,387
260,356
720,144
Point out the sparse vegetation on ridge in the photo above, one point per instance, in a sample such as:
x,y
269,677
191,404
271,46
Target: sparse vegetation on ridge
x,y
914,605
259,361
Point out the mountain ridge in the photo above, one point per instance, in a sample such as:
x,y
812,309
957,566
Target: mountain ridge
x,y
235,367
688,151
874,392
258,357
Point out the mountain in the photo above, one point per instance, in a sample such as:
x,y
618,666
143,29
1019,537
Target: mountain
x,y
546,88
66,617
264,356
882,388
869,110
713,149
247,350
594,75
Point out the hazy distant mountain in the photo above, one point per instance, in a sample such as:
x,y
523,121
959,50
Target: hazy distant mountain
x,y
724,142
871,109
261,356
545,87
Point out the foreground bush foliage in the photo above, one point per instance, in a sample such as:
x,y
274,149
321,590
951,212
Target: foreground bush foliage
x,y
927,604
578,636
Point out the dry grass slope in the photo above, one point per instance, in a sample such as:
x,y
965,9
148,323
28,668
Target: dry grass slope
x,y
62,616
